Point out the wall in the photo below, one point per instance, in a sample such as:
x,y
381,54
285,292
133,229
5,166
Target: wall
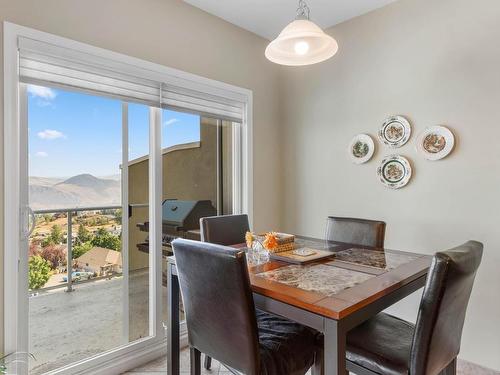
x,y
436,62
172,33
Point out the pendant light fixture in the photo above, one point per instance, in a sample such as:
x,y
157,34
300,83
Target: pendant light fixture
x,y
301,42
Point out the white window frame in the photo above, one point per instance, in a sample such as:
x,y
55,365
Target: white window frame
x,y
15,280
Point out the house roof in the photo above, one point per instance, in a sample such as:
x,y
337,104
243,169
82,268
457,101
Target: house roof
x,y
99,256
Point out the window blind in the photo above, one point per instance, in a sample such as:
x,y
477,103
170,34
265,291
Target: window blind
x,y
182,99
42,63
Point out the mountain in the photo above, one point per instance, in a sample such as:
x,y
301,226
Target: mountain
x,y
84,190
89,181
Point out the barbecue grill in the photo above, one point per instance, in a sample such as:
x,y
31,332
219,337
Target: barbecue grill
x,y
180,219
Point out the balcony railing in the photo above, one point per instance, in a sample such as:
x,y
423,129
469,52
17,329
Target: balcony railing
x,y
70,213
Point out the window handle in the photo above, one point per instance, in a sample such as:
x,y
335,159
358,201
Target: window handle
x,y
31,226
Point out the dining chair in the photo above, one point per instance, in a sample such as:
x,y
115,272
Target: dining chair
x,y
356,231
222,321
391,346
225,229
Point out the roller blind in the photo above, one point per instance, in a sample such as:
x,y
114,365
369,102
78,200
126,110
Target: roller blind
x,y
43,63
182,99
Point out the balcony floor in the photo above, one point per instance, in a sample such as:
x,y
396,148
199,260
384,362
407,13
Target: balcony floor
x,y
68,327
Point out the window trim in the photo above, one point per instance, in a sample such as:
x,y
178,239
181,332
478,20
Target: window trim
x,y
15,336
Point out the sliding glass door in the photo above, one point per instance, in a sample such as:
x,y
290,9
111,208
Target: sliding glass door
x,y
109,159
91,280
80,249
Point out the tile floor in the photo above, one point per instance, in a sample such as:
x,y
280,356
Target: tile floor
x,y
160,366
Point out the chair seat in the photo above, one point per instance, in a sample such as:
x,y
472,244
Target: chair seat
x,y
382,345
286,347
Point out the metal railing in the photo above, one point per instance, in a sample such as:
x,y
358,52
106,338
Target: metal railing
x,y
70,212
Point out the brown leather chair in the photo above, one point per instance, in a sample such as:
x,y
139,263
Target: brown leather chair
x,y
224,230
356,231
391,346
222,321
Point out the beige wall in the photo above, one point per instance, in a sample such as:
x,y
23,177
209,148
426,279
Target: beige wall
x,y
437,62
174,34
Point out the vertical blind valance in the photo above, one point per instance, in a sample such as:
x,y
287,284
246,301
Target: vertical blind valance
x,y
42,63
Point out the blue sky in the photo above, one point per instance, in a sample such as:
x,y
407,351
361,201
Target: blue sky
x,y
72,133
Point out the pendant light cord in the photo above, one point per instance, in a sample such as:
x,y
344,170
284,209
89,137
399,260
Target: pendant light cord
x,y
302,10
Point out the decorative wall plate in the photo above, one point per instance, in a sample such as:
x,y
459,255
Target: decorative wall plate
x,y
361,148
395,131
394,171
435,142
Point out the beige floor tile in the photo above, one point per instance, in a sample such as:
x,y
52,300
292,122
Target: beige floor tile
x,y
160,366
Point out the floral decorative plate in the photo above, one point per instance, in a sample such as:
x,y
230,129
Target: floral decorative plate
x,y
435,142
394,171
395,131
361,148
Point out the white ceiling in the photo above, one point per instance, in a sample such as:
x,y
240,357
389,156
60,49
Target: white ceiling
x,y
267,17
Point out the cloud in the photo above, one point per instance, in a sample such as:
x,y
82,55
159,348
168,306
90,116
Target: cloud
x,y
171,121
41,92
42,154
50,134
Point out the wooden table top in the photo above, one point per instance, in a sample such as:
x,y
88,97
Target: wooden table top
x,y
335,287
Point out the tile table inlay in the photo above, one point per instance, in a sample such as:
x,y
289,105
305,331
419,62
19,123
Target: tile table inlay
x,y
319,278
373,258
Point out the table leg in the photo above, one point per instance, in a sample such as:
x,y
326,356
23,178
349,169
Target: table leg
x,y
173,330
334,349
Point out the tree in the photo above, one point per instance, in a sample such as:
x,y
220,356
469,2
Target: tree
x,y
79,250
83,234
48,218
106,240
39,272
55,255
56,234
34,249
55,237
118,216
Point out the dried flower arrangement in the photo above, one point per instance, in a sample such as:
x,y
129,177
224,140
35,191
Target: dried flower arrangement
x,y
271,241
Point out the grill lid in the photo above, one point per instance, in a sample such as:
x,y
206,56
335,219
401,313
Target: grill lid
x,y
185,215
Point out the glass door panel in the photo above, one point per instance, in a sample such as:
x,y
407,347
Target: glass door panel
x,y
197,174
82,302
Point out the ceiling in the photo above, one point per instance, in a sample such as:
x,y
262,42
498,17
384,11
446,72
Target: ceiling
x,y
267,17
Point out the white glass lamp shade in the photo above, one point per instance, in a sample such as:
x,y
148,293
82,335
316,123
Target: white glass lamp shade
x,y
301,43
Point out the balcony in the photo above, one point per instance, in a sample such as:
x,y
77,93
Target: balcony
x,y
63,324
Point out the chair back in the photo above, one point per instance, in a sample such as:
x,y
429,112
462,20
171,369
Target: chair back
x,y
224,230
356,231
218,303
441,316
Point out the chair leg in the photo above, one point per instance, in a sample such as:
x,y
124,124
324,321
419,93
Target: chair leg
x,y
451,369
208,362
195,359
318,368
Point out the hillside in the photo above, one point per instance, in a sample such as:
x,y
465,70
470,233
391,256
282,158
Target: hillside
x,y
77,191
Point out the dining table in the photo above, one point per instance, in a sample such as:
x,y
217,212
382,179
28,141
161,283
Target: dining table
x,y
331,295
